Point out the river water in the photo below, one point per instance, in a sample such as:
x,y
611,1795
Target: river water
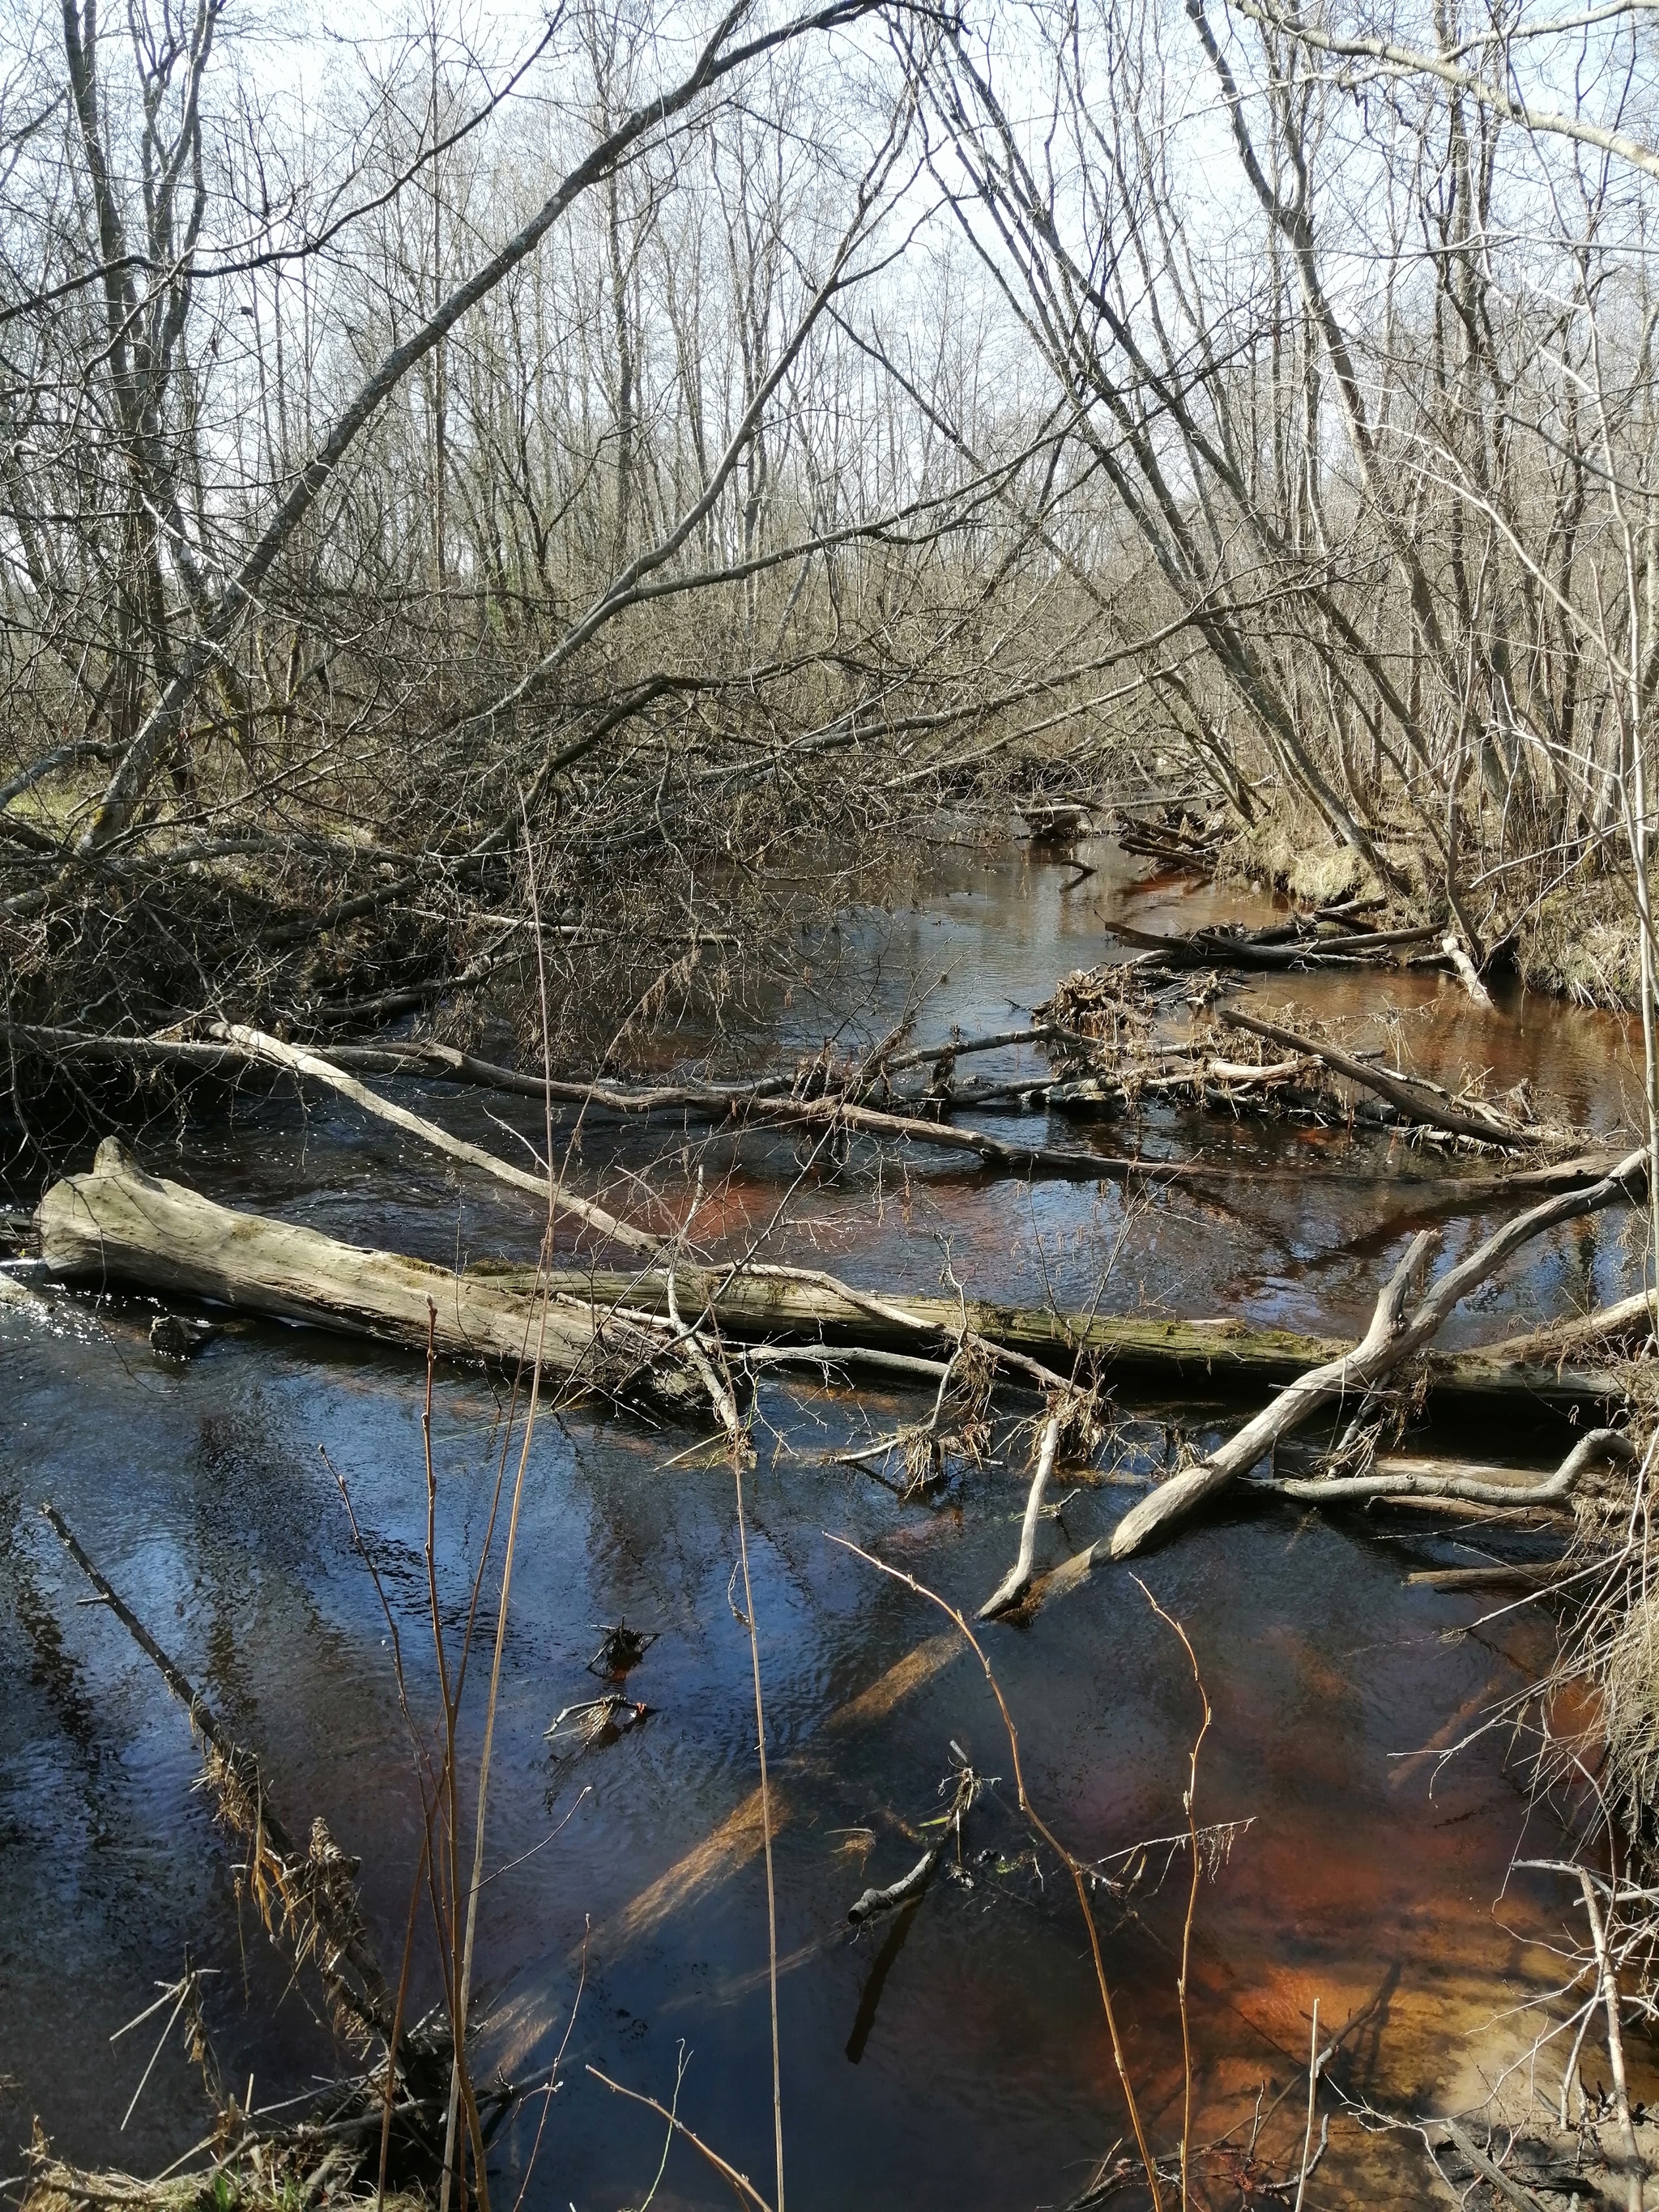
x,y
957,2055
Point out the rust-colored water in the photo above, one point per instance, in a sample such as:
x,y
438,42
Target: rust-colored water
x,y
957,2057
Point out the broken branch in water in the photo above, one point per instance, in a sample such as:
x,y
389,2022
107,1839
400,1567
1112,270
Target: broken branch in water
x,y
298,1062
909,1886
1413,1099
1299,943
1016,1581
1394,1337
1080,1873
1610,1445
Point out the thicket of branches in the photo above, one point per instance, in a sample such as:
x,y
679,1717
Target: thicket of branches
x,y
665,446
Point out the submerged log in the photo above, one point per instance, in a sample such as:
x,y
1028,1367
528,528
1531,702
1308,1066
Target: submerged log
x,y
610,1331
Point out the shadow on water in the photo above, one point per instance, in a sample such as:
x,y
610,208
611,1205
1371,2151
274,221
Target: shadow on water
x,y
954,2054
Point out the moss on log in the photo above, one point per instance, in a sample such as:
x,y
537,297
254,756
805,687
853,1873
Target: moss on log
x,y
609,1327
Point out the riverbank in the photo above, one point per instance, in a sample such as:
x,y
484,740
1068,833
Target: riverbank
x,y
1574,936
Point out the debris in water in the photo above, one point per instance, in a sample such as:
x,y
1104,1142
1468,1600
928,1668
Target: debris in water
x,y
622,1648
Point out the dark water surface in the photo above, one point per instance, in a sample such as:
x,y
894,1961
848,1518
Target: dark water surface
x,y
958,2056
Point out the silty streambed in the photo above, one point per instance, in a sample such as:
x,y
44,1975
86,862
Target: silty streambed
x,y
957,2055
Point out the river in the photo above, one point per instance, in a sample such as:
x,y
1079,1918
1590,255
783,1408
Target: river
x,y
958,2056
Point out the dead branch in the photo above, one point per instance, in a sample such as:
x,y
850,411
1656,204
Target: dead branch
x,y
1609,1445
312,1887
1015,1582
1413,1099
1392,1337
299,1062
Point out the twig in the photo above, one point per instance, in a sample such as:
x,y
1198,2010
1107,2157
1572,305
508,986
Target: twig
x,y
1189,1805
1609,1986
1313,2098
766,1825
745,2188
370,2003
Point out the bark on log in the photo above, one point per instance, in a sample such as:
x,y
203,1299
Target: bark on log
x,y
119,1225
1391,1338
904,1891
1627,1321
1497,1573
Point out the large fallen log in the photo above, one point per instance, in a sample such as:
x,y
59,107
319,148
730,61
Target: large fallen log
x,y
613,1331
120,1225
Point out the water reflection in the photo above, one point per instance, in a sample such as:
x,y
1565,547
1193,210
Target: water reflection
x,y
957,2053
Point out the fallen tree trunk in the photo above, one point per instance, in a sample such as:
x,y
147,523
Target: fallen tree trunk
x,y
764,1100
1411,1098
1393,1338
120,1225
1627,1321
1497,1573
612,1330
1288,947
1468,974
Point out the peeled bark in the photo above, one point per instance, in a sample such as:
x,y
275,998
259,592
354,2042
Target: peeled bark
x,y
120,1225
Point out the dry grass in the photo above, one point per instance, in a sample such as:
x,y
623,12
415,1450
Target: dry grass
x,y
1288,850
243,2184
1582,943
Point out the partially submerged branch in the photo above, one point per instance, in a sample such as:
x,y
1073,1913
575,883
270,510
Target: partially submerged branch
x,y
1608,1446
1016,1581
1393,1338
312,1888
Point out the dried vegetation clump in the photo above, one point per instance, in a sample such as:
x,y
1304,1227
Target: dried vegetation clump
x,y
1583,942
1288,849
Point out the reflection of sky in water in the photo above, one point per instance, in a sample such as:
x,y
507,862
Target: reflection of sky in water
x,y
981,2073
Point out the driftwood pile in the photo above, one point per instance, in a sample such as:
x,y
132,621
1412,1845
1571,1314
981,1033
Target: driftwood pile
x,y
1113,1052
